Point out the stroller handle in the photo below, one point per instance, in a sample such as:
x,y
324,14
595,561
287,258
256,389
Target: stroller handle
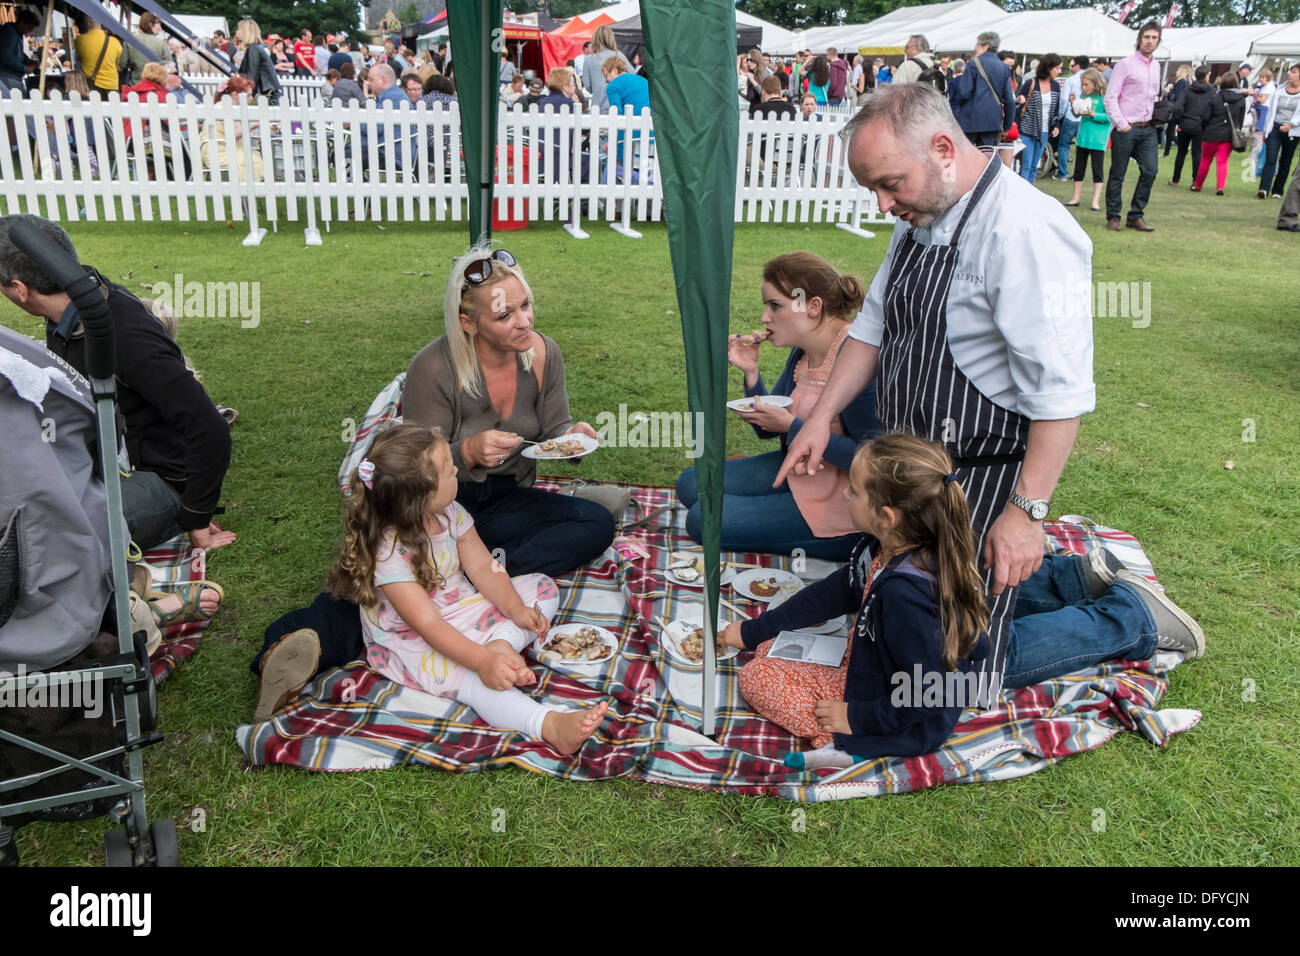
x,y
82,288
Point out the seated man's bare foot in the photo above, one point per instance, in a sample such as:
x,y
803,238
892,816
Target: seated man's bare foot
x,y
567,731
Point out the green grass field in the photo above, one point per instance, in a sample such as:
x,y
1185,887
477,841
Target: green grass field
x,y
1218,363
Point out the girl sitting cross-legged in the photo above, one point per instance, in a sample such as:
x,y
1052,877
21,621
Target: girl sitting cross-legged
x,y
918,595
437,613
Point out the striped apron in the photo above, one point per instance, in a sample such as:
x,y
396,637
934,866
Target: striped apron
x,y
924,393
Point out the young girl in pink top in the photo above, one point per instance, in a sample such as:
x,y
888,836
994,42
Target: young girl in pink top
x,y
437,613
807,308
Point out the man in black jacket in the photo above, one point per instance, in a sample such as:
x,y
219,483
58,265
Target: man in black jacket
x,y
177,441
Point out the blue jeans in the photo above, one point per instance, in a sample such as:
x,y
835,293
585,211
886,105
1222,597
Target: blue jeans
x,y
758,517
1058,627
150,507
1034,147
539,531
1138,143
1068,132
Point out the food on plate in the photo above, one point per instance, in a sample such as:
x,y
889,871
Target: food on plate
x,y
692,646
561,449
765,588
584,644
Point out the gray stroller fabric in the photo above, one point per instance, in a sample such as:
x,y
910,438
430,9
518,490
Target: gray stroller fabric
x,y
55,577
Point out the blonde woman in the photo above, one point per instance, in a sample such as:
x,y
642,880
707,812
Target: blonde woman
x,y
491,383
257,64
603,46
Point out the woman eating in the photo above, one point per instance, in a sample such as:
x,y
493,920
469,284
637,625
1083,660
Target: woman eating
x,y
807,307
492,383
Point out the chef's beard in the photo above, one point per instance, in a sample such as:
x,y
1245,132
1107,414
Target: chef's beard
x,y
937,197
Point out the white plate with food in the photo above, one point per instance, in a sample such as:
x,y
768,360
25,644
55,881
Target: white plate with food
x,y
747,404
575,645
572,445
686,569
684,641
763,584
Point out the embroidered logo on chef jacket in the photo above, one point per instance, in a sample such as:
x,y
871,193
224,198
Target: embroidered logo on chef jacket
x,y
968,277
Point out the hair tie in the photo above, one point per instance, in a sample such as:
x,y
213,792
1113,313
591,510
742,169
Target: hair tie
x,y
950,478
366,471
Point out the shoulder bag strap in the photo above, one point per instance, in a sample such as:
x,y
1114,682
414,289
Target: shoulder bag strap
x,y
100,62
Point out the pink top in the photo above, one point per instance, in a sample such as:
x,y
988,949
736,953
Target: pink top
x,y
820,497
1133,90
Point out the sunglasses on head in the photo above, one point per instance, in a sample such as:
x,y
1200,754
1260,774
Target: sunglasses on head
x,y
480,270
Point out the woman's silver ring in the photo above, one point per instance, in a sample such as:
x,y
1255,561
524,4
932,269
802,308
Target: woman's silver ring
x,y
501,460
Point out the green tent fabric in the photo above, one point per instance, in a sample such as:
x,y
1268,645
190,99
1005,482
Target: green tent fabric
x,y
697,127
476,45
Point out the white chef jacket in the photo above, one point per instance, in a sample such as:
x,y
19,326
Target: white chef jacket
x,y
1020,304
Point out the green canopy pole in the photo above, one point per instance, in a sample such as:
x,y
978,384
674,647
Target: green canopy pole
x,y
476,39
690,60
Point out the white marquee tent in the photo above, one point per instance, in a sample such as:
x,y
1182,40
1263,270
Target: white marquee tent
x,y
953,27
1284,41
1034,32
886,35
775,39
1217,44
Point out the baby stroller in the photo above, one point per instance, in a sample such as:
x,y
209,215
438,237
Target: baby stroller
x,y
76,702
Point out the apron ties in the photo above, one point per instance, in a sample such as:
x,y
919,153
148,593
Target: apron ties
x,y
922,391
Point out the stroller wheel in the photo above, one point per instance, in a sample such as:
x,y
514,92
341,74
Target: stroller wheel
x,y
117,849
166,849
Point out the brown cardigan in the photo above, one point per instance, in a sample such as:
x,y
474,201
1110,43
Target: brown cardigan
x,y
541,410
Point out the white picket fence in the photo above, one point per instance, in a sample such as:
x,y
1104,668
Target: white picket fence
x,y
294,91
312,164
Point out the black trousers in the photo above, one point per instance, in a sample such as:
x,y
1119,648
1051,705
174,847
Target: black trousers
x,y
1184,141
1081,157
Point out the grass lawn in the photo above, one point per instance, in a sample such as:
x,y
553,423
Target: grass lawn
x,y
1173,399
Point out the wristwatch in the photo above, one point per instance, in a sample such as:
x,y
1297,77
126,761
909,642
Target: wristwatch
x,y
1036,508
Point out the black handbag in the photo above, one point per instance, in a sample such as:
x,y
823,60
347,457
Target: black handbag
x,y
1163,111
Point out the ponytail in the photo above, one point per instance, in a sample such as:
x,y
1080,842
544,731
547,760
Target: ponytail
x,y
963,611
911,475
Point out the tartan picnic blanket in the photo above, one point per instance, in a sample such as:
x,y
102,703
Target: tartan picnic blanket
x,y
353,719
171,563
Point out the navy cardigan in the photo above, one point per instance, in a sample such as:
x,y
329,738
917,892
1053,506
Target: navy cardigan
x,y
897,631
858,418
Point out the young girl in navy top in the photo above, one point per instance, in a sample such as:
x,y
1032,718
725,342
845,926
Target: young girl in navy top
x,y
913,583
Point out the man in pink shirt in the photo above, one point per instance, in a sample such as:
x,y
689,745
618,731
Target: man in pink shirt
x,y
1132,92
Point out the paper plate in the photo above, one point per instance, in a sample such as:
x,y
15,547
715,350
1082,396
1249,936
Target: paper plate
x,y
609,640
589,445
672,635
747,404
724,578
745,581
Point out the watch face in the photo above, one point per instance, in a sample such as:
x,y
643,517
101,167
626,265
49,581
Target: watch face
x,y
1039,510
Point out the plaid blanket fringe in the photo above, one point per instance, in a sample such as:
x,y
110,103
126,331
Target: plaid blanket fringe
x,y
353,719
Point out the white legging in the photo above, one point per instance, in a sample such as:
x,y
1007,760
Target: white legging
x,y
509,708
